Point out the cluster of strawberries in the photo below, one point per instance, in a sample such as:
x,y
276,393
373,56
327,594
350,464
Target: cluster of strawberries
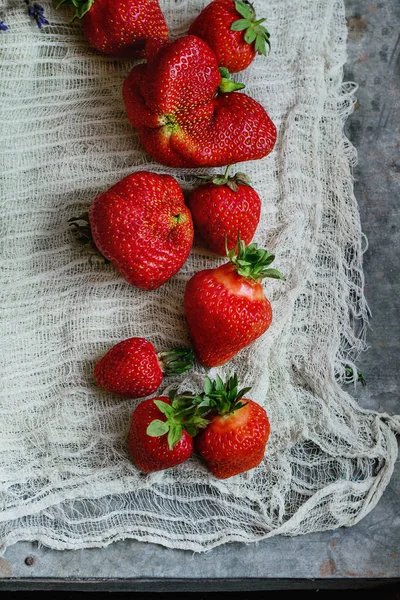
x,y
188,113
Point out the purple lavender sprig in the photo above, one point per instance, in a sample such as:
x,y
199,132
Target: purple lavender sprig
x,y
37,12
3,26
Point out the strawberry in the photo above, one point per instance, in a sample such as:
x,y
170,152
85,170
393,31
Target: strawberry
x,y
226,308
223,208
235,439
133,367
162,430
231,29
142,226
120,27
188,115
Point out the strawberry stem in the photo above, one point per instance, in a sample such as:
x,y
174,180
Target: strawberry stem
x,y
254,32
176,361
252,262
227,85
232,181
80,227
223,397
81,7
183,414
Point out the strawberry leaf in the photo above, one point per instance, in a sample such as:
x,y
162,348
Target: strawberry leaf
x,y
81,7
255,33
157,428
251,262
165,408
207,386
240,25
176,361
260,45
219,181
245,9
174,434
250,36
273,273
224,397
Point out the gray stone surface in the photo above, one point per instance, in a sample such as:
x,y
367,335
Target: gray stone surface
x,y
370,549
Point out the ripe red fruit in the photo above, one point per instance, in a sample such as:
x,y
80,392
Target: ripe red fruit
x,y
187,114
235,439
223,209
120,27
162,430
231,29
226,308
142,226
154,448
133,368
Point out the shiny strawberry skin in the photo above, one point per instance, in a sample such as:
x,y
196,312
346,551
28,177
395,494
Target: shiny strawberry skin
x,y
182,121
143,227
130,368
235,442
121,27
225,312
220,212
213,25
153,453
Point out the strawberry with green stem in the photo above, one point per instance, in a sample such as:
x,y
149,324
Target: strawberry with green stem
x,y
232,30
223,208
134,368
120,27
226,308
162,430
234,441
142,226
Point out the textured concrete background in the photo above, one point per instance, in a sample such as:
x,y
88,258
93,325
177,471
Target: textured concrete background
x,y
370,549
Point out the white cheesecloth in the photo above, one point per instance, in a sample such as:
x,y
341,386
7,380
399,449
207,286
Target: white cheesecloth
x,y
66,479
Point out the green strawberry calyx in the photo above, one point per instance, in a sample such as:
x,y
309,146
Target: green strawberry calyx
x,y
176,361
223,397
81,7
184,413
80,227
255,33
252,262
231,181
227,85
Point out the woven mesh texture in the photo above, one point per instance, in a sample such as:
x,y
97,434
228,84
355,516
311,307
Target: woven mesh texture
x,y
66,478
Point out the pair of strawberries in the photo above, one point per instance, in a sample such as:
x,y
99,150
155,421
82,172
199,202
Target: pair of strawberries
x,y
188,114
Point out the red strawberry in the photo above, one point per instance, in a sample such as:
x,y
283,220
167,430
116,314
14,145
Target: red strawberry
x,y
133,367
143,227
235,439
226,308
231,29
223,208
120,27
187,114
162,430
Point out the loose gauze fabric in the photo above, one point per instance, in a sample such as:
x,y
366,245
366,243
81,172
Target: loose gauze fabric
x,y
66,478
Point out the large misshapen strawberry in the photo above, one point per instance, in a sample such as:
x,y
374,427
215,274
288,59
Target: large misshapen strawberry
x,y
142,225
232,30
184,119
120,27
226,308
